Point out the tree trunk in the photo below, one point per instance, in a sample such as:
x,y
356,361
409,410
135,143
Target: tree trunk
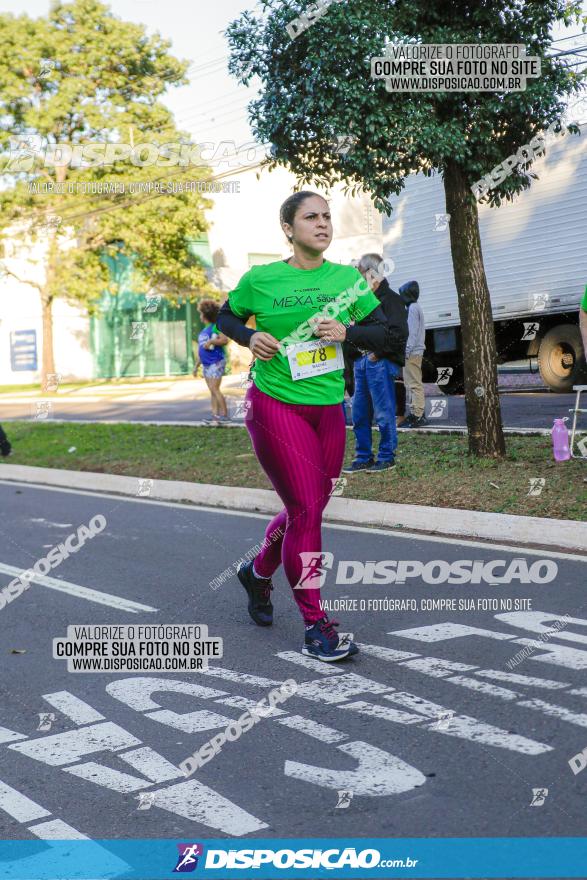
x,y
478,336
48,361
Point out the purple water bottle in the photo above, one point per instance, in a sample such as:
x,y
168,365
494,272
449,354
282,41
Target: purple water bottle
x,y
560,440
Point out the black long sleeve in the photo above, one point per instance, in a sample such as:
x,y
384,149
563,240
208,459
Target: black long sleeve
x,y
371,333
233,326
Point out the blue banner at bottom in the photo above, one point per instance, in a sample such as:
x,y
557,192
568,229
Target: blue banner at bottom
x,y
305,859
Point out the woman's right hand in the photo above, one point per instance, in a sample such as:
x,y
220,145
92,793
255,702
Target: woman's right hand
x,y
263,345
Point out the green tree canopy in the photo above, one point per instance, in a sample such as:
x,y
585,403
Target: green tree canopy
x,y
318,87
81,77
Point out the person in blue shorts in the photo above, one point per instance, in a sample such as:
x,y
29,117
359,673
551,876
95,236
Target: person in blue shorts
x,y
211,344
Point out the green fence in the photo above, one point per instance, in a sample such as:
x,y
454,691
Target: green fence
x,y
127,340
144,335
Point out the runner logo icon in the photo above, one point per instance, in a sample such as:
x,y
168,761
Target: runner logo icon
x,y
539,796
314,568
187,859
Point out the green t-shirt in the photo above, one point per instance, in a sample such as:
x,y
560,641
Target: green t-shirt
x,y
282,298
584,301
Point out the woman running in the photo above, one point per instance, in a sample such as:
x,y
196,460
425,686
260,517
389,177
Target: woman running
x,y
303,308
211,352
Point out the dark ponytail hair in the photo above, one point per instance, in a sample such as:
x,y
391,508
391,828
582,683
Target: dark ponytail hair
x,y
289,208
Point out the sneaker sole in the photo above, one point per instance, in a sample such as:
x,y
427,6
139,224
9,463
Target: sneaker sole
x,y
324,657
251,615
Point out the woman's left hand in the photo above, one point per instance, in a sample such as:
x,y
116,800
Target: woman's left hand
x,y
335,331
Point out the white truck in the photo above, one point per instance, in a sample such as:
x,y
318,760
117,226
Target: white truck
x,y
535,256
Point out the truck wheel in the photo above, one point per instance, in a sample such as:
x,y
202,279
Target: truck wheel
x,y
456,383
560,358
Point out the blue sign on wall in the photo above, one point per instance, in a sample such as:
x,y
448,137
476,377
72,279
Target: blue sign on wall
x,y
23,350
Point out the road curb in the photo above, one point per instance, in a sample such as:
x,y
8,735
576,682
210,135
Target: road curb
x,y
240,423
500,527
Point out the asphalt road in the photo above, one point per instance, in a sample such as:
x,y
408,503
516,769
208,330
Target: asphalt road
x,y
428,728
535,409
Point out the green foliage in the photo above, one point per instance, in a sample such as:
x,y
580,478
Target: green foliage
x,y
319,86
433,471
82,76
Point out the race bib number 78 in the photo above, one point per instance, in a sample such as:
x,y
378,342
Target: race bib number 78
x,y
308,359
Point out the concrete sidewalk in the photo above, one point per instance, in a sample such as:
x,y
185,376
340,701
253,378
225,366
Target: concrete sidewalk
x,y
529,531
181,388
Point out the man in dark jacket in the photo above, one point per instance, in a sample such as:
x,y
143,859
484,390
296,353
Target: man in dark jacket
x,y
5,447
374,375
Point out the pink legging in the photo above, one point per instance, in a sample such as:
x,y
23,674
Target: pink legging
x,y
301,449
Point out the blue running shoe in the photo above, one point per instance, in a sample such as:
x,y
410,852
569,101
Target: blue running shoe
x,y
357,467
323,642
259,593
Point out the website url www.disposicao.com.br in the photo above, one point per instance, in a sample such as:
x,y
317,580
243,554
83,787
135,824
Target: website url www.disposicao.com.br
x,y
332,859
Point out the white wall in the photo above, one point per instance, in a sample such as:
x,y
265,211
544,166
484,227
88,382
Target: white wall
x,y
248,222
20,309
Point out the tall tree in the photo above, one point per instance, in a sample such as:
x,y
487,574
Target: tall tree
x,y
318,87
81,77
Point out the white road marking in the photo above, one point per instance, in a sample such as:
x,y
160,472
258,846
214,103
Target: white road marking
x,y
151,764
384,653
313,728
65,748
389,533
534,621
197,802
191,799
440,668
251,705
438,632
78,591
374,710
23,809
107,777
466,727
19,806
307,662
437,667
336,690
56,829
379,773
190,722
7,735
75,709
417,703
556,711
484,687
137,692
240,677
528,680
559,655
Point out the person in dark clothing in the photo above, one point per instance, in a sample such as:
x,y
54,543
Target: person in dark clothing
x,y
410,293
5,447
374,376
